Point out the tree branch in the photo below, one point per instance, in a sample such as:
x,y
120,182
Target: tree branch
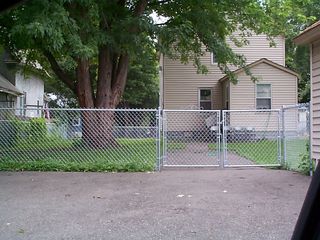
x,y
61,74
140,7
120,79
104,78
121,3
155,3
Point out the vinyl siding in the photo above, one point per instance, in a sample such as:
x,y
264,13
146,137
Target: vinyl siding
x,y
224,90
315,88
283,92
181,82
259,47
189,121
283,88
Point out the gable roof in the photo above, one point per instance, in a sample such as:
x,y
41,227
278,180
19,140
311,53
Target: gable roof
x,y
8,87
262,60
309,35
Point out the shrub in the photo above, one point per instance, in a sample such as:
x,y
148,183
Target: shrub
x,y
37,129
304,164
8,132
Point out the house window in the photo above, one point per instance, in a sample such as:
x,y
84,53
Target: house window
x,y
263,96
205,99
213,58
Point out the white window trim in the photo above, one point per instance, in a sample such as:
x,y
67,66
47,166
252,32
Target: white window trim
x,y
199,97
256,94
211,60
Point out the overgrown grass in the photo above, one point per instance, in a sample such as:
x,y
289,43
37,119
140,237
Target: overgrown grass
x,y
57,154
296,148
42,165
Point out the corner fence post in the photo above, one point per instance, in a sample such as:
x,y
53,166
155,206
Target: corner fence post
x,y
284,161
224,147
158,138
279,138
310,138
218,138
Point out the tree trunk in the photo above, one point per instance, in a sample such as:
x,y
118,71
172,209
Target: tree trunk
x,y
98,125
98,128
113,66
84,88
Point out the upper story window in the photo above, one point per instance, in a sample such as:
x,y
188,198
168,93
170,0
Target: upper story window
x,y
263,96
213,58
205,98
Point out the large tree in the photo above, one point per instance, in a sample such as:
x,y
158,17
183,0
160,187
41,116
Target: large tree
x,y
141,91
88,44
299,14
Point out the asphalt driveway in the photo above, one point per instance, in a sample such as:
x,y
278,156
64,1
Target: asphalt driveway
x,y
179,204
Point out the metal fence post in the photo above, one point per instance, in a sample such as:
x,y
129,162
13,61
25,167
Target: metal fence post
x,y
310,138
158,138
223,139
164,137
279,137
218,138
284,137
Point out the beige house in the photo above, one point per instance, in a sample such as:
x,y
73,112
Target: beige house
x,y
311,36
182,88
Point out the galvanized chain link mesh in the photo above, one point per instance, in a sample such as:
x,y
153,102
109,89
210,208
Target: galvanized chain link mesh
x,y
190,137
115,139
129,139
296,137
251,137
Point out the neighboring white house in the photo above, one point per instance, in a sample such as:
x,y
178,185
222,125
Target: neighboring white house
x,y
19,90
311,37
8,93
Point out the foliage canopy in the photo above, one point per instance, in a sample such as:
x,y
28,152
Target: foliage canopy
x,y
89,44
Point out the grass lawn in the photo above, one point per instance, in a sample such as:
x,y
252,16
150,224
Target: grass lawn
x,y
266,151
295,149
70,155
212,146
260,152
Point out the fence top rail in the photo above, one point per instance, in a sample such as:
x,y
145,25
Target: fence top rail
x,y
82,109
190,110
300,105
253,110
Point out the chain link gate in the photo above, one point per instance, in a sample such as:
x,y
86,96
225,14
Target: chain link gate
x,y
251,138
191,138
296,138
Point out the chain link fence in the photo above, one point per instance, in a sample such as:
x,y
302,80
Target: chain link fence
x,y
296,138
147,139
98,140
251,138
191,138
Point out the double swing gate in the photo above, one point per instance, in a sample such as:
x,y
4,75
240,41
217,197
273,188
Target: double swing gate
x,y
214,138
